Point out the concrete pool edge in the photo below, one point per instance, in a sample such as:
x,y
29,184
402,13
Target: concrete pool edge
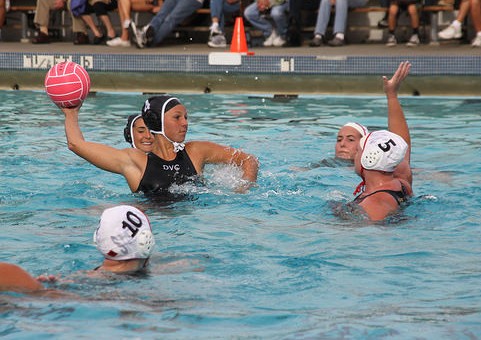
x,y
249,83
453,70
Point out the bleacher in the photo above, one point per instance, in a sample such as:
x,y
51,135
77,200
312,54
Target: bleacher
x,y
361,28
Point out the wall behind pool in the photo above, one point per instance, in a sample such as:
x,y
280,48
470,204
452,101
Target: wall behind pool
x,y
297,71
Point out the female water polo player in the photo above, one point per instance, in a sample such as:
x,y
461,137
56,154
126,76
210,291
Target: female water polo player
x,y
383,158
124,238
171,161
348,138
137,134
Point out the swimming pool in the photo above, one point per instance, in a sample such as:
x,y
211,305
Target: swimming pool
x,y
272,263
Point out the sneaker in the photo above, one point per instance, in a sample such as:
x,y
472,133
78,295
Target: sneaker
x,y
391,41
81,39
476,41
278,41
41,38
217,40
336,42
450,32
270,40
148,35
317,41
413,41
117,42
99,40
382,23
136,35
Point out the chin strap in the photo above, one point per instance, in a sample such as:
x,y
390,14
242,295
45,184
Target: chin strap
x,y
359,188
178,146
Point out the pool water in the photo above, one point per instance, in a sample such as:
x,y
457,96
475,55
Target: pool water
x,y
275,262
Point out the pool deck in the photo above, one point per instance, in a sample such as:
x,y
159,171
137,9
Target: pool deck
x,y
445,69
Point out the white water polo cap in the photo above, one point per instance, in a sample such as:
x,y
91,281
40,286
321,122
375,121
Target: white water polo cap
x,y
124,233
382,150
358,127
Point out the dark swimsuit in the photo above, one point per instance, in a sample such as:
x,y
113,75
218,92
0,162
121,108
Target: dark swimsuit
x,y
399,196
160,174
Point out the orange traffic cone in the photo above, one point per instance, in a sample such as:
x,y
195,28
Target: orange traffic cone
x,y
239,44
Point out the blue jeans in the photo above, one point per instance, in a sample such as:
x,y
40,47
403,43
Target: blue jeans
x,y
172,13
219,7
278,15
340,18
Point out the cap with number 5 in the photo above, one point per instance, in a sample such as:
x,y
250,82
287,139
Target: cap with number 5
x,y
124,233
382,150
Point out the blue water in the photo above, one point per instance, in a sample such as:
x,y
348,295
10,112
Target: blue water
x,y
273,263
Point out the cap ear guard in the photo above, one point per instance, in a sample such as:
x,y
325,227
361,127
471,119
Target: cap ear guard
x,y
145,243
124,233
370,158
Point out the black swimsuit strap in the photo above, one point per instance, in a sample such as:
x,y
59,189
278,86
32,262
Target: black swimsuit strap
x,y
399,196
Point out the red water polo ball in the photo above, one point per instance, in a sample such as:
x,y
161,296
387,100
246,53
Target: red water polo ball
x,y
67,84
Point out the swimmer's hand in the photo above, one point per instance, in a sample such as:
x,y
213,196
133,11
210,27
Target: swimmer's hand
x,y
70,110
391,86
47,278
244,186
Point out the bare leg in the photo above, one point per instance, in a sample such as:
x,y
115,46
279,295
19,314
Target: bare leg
x,y
2,13
124,14
108,25
413,14
127,6
392,18
463,10
89,21
476,15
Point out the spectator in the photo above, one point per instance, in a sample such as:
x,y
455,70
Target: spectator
x,y
101,9
125,8
42,18
217,10
340,20
294,31
383,22
454,30
383,158
269,16
476,19
3,13
172,13
294,26
411,7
